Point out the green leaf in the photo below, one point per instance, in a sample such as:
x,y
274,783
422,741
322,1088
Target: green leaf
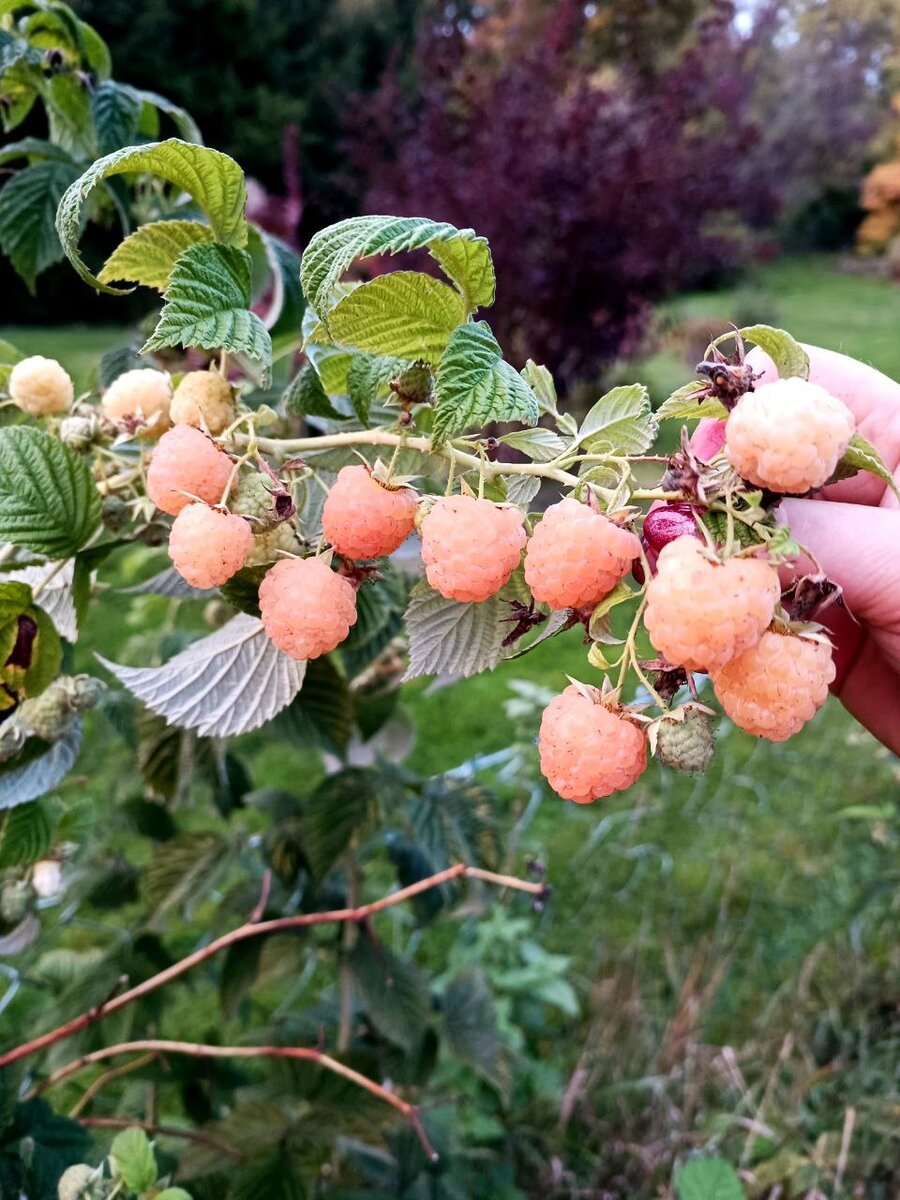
x,y
470,1021
368,380
474,385
270,1177
208,305
708,1179
48,501
213,180
464,257
46,655
621,422
181,871
15,598
36,770
240,968
539,444
28,204
68,105
447,637
683,404
26,834
343,807
861,455
786,353
175,1193
393,991
133,1159
322,710
116,109
148,255
406,314
456,822
306,397
541,383
181,119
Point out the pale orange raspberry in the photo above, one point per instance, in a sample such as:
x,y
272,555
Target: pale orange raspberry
x,y
138,402
187,464
363,518
306,608
208,546
203,399
775,687
471,547
588,750
576,556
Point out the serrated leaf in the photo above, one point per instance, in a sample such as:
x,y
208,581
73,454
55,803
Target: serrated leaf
x,y
181,119
621,422
539,444
521,489
470,1021
412,865
305,396
271,1177
343,807
393,991
708,1179
230,682
46,655
28,203
170,584
133,1160
474,385
861,455
37,769
208,305
464,257
116,109
148,255
368,379
213,180
447,637
683,404
322,711
26,834
540,380
181,871
68,107
456,822
786,353
48,501
405,313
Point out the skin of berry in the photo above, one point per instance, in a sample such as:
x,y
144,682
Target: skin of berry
x,y
186,463
470,547
788,436
40,386
208,546
700,613
307,610
775,687
667,522
577,556
587,750
139,399
364,519
203,399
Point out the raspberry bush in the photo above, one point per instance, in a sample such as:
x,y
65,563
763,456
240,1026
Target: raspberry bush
x,y
333,425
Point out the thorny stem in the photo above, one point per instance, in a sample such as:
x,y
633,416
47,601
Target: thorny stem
x,y
260,929
198,1050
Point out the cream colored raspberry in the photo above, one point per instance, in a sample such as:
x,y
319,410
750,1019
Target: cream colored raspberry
x,y
700,613
187,465
306,608
139,401
364,519
774,688
576,556
788,436
471,547
41,386
588,750
208,546
205,400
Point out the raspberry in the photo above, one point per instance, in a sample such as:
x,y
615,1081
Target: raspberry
x,y
267,546
307,609
50,715
775,687
79,432
576,556
685,743
699,613
363,518
205,400
788,436
588,750
470,547
254,497
207,545
138,402
40,386
186,463
666,523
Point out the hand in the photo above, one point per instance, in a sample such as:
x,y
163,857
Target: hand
x,y
854,531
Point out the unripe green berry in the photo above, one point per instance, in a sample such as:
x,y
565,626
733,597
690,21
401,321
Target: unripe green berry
x,y
686,745
115,513
414,385
253,497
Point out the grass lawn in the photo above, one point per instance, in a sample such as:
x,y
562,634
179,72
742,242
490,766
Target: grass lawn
x,y
739,909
